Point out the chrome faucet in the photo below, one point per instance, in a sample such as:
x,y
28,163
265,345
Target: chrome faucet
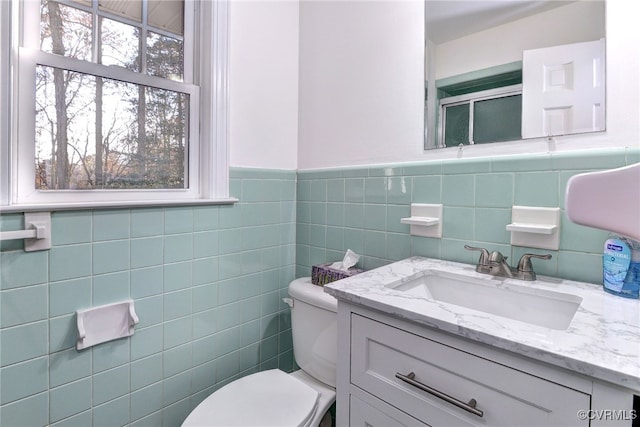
x,y
496,264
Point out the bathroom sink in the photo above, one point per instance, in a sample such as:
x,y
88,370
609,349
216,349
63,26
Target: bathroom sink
x,y
525,303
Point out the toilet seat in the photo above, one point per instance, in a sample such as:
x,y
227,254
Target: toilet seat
x,y
267,398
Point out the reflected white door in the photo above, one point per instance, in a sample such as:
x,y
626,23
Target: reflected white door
x,y
563,89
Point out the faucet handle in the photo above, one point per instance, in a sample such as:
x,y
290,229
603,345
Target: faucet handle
x,y
483,261
484,254
524,265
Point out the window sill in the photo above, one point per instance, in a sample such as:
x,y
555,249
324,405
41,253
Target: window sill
x,y
52,207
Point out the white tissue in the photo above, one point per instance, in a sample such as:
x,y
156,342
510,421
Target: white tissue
x,y
350,259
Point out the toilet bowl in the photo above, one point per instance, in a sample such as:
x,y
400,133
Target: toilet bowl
x,y
274,398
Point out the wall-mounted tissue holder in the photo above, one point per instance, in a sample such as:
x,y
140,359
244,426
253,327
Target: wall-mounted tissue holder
x,y
105,323
535,227
608,200
425,220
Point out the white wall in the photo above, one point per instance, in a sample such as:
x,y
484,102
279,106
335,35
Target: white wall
x,y
263,84
361,73
361,81
577,22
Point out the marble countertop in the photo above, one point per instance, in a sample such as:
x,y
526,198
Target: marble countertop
x,y
602,340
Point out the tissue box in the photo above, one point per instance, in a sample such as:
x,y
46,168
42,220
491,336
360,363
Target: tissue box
x,y
322,274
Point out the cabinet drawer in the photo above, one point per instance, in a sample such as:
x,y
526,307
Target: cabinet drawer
x,y
505,396
367,411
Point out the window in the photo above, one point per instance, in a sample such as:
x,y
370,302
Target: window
x,y
481,117
112,105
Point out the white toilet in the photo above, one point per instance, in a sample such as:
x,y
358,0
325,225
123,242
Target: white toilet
x,y
275,398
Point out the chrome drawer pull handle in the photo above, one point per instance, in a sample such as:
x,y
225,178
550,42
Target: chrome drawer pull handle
x,y
469,407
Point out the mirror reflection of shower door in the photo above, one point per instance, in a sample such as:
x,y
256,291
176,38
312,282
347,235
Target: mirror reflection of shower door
x,y
563,90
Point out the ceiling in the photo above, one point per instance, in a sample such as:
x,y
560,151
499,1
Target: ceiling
x,y
451,19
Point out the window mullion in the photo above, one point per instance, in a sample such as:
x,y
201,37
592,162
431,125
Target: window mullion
x,y
96,54
189,38
111,72
30,24
143,37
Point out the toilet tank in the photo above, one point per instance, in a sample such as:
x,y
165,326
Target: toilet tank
x,y
314,329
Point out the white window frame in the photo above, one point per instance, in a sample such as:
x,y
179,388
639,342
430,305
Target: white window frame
x,y
471,98
207,87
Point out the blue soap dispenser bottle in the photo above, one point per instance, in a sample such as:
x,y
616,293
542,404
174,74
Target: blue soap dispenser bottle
x,y
621,267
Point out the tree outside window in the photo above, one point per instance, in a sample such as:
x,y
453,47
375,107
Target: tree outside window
x,y
96,132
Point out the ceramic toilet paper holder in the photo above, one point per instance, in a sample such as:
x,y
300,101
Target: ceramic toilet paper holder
x,y
105,323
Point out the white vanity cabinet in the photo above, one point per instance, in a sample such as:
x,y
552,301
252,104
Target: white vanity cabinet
x,y
398,372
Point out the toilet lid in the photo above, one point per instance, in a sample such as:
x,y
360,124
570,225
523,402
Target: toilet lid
x,y
267,398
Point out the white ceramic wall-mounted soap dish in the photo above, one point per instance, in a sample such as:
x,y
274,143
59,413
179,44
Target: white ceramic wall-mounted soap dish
x,y
535,227
425,220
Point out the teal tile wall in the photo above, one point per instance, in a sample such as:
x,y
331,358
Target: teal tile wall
x,y
207,283
360,209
